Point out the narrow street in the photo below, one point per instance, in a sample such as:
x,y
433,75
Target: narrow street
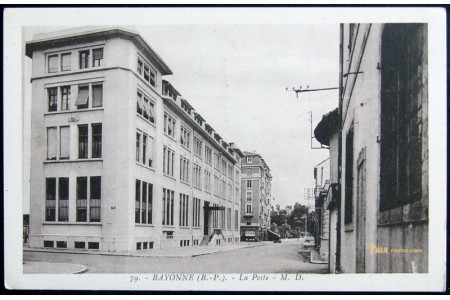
x,y
268,258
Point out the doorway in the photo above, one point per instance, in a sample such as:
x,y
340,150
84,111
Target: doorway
x,y
206,218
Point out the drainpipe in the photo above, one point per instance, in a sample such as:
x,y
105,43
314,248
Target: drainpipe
x,y
341,96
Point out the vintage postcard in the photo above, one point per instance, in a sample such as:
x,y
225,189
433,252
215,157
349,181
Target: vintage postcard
x,y
225,148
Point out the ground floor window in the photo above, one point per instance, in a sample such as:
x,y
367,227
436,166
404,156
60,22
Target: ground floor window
x,y
184,210
196,214
167,207
143,202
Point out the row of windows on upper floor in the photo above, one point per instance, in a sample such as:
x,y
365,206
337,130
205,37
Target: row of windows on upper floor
x,y
88,95
219,187
63,61
87,201
92,58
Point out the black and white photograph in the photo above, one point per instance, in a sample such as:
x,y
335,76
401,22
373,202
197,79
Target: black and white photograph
x,y
225,148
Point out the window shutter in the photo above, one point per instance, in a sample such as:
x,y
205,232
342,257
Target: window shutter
x,y
97,95
98,54
53,64
65,142
51,143
65,62
83,96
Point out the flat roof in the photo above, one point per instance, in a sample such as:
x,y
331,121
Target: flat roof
x,y
80,34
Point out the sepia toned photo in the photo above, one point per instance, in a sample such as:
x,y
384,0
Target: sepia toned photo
x,y
276,154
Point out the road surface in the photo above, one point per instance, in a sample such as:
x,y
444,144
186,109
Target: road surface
x,y
268,258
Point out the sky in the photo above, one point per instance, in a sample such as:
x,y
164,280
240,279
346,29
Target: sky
x,y
236,76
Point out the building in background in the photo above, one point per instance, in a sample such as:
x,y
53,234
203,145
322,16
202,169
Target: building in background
x,y
326,132
322,183
380,211
120,161
256,197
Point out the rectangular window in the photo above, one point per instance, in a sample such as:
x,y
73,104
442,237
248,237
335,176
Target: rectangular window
x,y
207,181
184,210
97,57
152,77
185,137
52,99
49,244
63,204
144,203
216,161
168,203
224,166
140,104
196,212
80,245
93,245
348,218
137,206
249,159
151,110
50,199
230,171
53,63
249,184
84,59
198,146
95,199
81,199
83,97
248,208
61,244
184,169
169,125
144,148
66,61
140,64
96,140
97,95
51,143
197,174
82,141
151,145
228,218
138,146
65,97
403,108
236,219
150,204
146,73
208,155
64,142
169,159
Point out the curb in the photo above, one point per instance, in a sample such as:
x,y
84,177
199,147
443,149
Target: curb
x,y
311,260
39,250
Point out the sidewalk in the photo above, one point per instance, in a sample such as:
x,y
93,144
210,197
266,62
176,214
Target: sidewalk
x,y
36,267
167,252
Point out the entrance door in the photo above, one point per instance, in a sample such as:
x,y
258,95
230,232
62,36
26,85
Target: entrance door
x,y
361,215
206,218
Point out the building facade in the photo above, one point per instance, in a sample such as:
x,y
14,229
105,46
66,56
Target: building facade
x,y
322,184
256,197
120,160
379,203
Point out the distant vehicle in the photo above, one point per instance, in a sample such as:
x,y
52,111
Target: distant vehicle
x,y
273,236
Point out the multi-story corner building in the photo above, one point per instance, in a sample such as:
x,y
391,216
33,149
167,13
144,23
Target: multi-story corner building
x,y
256,197
120,161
